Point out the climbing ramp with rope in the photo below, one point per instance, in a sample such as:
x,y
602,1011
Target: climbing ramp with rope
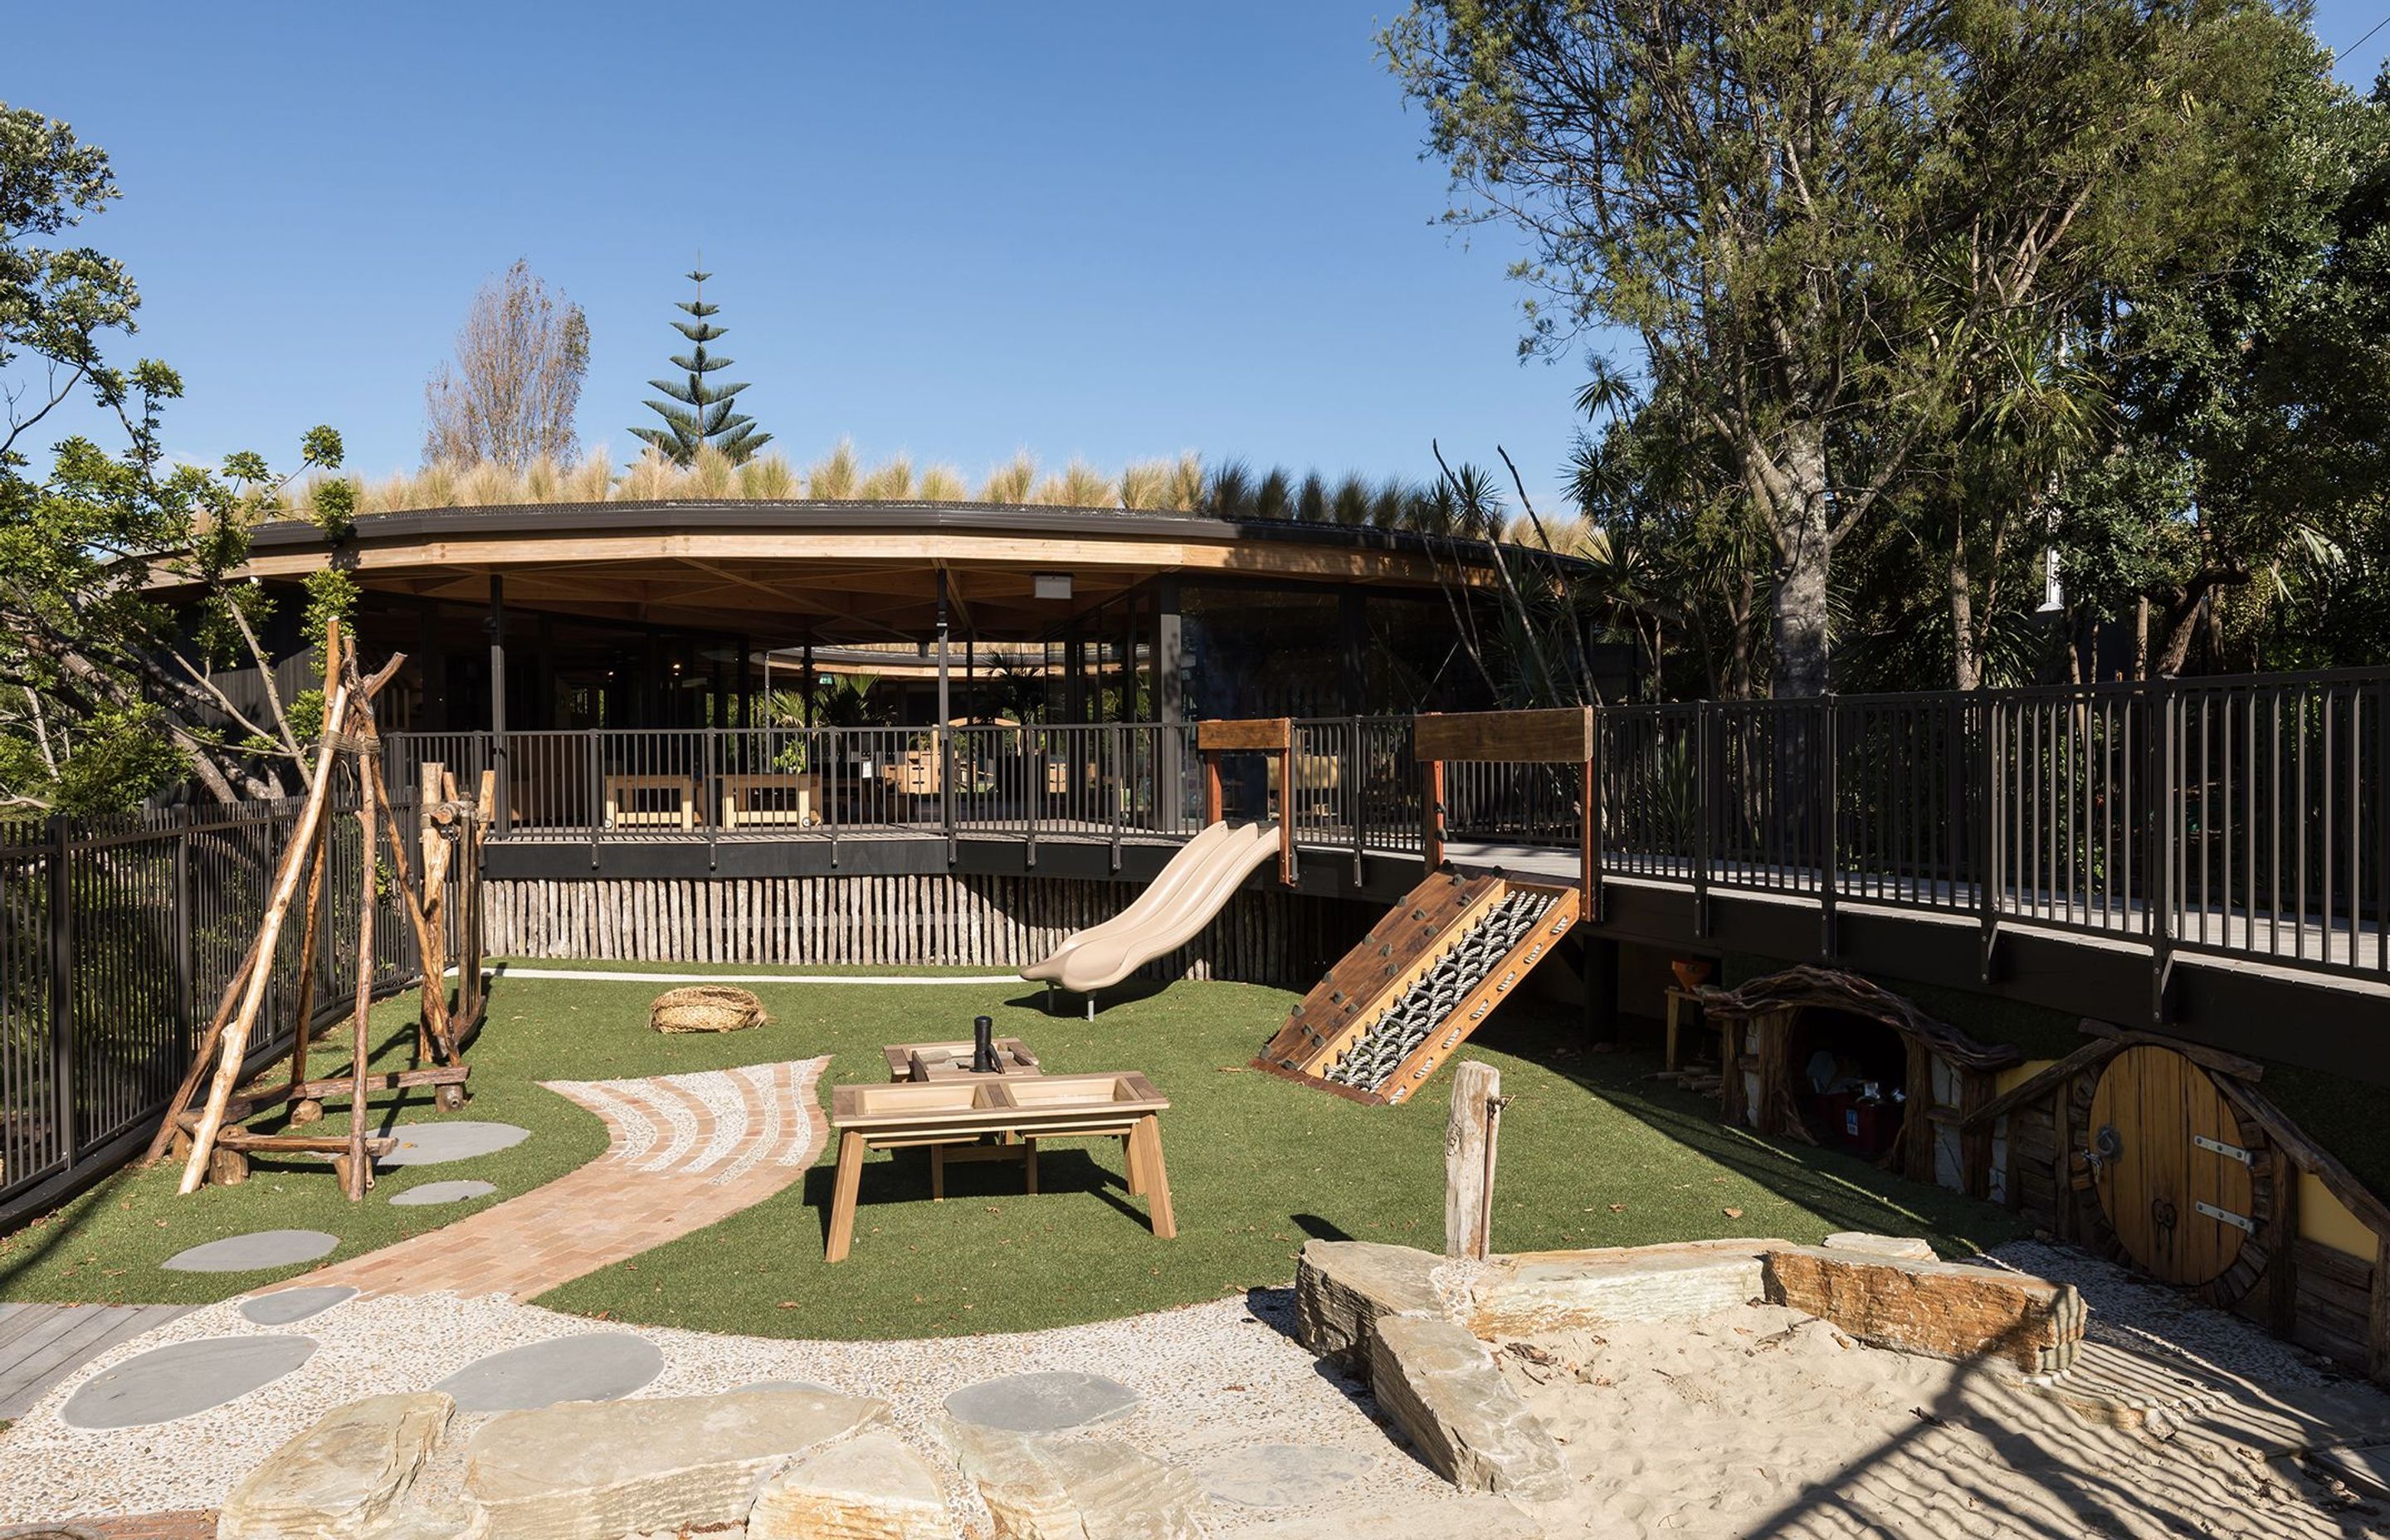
x,y
1426,976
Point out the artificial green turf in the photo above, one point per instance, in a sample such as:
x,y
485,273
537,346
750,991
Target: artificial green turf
x,y
1594,1152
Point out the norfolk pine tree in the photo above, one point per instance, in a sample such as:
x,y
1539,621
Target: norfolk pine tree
x,y
707,413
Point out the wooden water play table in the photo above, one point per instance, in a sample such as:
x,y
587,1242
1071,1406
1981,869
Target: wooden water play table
x,y
952,1061
940,1114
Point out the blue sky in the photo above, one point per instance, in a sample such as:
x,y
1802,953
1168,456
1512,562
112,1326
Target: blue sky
x,y
1104,230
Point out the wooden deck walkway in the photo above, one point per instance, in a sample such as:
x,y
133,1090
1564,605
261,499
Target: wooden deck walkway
x,y
41,1344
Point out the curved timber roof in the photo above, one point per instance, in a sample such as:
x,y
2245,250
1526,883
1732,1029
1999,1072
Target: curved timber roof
x,y
860,569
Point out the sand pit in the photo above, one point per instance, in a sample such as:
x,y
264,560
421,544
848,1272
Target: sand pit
x,y
1759,1420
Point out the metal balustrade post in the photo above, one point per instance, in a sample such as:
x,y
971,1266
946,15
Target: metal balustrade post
x,y
596,749
1829,832
186,1006
946,787
1705,810
708,801
2161,746
1988,842
62,1043
1354,772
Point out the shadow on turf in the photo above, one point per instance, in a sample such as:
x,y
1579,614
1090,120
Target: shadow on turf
x,y
906,1179
1845,1191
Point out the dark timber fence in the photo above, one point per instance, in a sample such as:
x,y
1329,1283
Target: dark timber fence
x,y
117,936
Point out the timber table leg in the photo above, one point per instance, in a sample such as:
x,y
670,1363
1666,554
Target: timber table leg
x,y
937,1173
1132,1153
1029,1159
1157,1175
842,1203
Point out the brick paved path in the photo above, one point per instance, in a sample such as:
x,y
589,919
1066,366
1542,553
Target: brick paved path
x,y
687,1150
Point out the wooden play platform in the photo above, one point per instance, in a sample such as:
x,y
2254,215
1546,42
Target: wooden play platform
x,y
964,1110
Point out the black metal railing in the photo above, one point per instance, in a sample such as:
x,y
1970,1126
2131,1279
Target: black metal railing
x,y
2236,816
117,936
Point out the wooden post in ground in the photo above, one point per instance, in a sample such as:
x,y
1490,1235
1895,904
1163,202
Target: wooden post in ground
x,y
303,1111
1470,1139
358,1173
235,1047
1431,813
433,944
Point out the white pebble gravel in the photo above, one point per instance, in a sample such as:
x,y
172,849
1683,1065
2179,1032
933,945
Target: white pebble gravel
x,y
1212,1378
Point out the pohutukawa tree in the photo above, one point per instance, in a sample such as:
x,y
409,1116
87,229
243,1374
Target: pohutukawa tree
x,y
707,411
1819,223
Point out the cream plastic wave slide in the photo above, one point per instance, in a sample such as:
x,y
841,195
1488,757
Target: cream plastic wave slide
x,y
1176,904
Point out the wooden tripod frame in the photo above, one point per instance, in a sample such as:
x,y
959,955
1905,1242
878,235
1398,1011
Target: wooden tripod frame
x,y
208,1139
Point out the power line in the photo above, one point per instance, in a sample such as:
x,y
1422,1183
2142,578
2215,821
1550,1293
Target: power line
x,y
2368,32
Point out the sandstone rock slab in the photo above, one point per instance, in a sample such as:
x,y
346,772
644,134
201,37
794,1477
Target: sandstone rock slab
x,y
1343,1286
340,1477
1909,1248
869,1487
1940,1309
1077,1489
1533,1292
1440,1385
597,1471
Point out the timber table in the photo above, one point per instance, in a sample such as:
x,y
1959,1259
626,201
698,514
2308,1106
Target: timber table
x,y
625,808
771,798
953,1061
941,1113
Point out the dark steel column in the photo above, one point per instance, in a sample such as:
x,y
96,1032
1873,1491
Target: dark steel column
x,y
497,624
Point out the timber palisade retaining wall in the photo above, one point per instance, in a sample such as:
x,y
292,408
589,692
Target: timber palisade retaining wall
x,y
934,920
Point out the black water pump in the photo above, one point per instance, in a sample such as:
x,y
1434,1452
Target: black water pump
x,y
983,1045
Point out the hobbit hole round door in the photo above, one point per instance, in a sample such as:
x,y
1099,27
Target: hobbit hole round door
x,y
2172,1173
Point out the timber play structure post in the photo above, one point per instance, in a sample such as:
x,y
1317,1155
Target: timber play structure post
x,y
209,1140
1265,735
1469,1146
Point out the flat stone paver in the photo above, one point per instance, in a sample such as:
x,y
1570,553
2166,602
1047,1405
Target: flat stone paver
x,y
1280,1475
807,1385
43,1344
252,1253
294,1304
441,1192
168,1382
594,1366
1045,1403
433,1143
687,1151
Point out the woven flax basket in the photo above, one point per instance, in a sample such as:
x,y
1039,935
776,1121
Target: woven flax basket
x,y
706,1007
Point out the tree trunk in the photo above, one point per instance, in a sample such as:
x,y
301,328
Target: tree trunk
x,y
1967,669
1796,501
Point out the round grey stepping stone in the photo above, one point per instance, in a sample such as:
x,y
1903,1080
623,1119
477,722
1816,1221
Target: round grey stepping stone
x,y
783,1385
168,1382
1042,1403
1280,1475
441,1192
295,1305
594,1366
249,1253
432,1144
